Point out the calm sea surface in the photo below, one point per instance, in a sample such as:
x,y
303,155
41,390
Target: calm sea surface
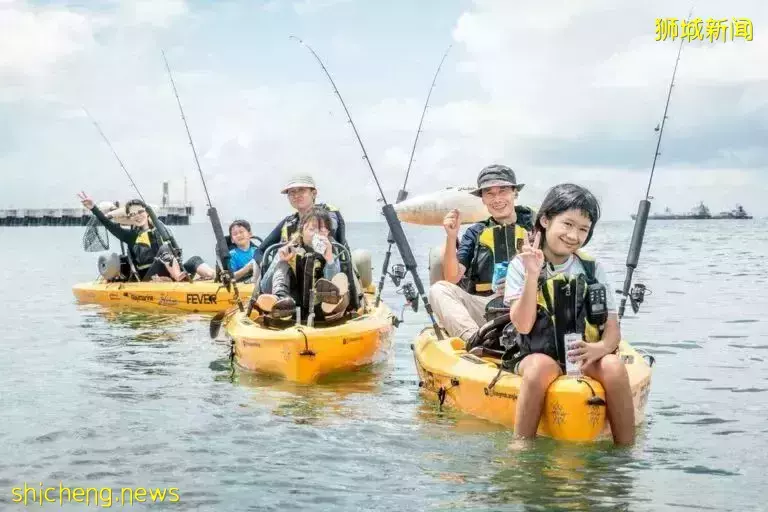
x,y
95,398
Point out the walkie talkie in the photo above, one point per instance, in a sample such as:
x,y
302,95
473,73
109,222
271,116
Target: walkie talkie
x,y
597,305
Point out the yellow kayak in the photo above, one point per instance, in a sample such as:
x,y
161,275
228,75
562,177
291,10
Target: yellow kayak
x,y
194,297
303,354
574,410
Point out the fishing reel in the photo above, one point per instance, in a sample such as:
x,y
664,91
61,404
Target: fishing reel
x,y
224,277
411,296
411,299
636,295
397,274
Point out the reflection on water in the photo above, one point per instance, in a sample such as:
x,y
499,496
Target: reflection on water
x,y
566,477
320,403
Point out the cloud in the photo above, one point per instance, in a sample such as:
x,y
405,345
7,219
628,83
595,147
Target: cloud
x,y
304,7
570,92
153,12
33,38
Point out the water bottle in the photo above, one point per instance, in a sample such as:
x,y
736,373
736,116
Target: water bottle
x,y
499,271
318,244
569,341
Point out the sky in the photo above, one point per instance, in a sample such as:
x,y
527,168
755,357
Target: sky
x,y
558,90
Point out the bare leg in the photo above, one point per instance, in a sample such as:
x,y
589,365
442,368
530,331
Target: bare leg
x,y
177,274
538,372
205,271
612,374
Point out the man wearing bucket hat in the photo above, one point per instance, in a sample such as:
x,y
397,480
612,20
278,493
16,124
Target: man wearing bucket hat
x,y
475,268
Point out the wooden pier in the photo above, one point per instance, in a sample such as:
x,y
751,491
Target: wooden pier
x,y
168,215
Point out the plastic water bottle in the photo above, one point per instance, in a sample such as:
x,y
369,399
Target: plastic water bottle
x,y
499,272
318,244
569,340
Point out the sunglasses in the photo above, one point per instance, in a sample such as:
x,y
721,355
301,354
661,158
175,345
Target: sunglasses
x,y
137,212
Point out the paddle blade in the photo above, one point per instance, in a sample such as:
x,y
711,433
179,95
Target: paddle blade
x,y
215,325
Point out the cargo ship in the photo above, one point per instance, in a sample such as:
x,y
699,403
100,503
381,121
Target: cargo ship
x,y
699,212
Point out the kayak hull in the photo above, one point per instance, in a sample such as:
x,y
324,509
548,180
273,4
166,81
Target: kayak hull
x,y
194,297
305,354
574,409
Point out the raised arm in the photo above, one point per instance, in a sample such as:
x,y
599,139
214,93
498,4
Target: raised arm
x,y
127,236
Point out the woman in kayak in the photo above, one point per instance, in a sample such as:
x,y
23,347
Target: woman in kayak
x,y
302,195
280,283
152,256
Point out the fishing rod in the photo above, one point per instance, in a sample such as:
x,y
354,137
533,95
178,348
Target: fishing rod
x,y
221,244
165,234
395,228
636,293
402,194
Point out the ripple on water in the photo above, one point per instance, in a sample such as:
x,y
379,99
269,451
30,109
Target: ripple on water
x,y
705,422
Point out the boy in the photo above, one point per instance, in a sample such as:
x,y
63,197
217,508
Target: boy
x,y
244,255
563,225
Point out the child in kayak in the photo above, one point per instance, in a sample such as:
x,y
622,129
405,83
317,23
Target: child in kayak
x,y
245,255
564,224
279,285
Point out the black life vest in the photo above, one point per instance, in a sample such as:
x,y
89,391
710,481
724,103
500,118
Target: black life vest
x,y
307,268
496,243
560,307
145,249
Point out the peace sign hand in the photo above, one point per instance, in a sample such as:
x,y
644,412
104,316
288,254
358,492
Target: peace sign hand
x,y
532,256
85,199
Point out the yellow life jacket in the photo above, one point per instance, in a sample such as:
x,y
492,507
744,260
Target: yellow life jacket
x,y
291,223
496,243
561,307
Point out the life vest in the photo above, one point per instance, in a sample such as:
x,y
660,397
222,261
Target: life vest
x,y
496,243
145,249
291,223
307,268
560,307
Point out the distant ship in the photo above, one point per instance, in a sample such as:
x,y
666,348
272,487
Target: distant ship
x,y
737,213
699,212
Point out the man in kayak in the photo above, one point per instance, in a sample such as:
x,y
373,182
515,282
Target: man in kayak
x,y
302,194
475,268
151,254
553,271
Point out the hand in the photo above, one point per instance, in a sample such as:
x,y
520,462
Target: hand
x,y
286,252
499,285
586,353
532,256
86,200
451,223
